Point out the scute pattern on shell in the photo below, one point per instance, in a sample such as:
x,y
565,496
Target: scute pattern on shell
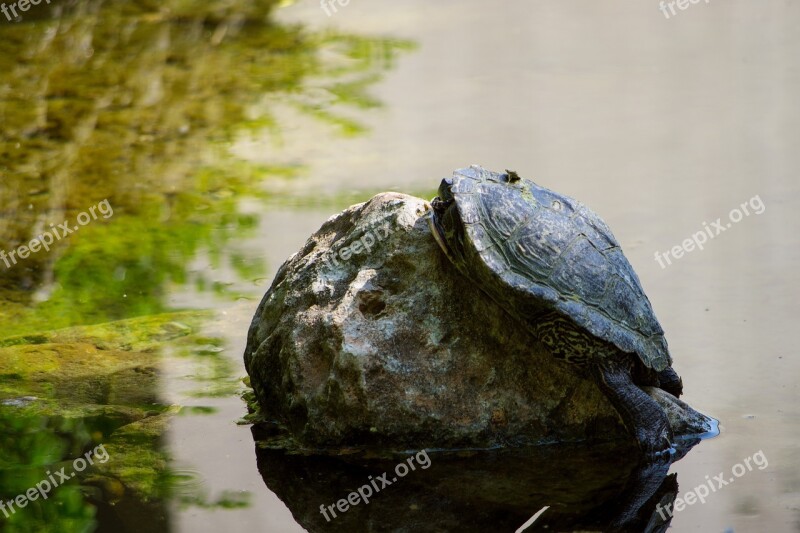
x,y
555,249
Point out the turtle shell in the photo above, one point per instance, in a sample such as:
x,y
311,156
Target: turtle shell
x,y
534,251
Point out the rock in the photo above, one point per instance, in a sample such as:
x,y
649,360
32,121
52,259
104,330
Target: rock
x,y
684,420
368,336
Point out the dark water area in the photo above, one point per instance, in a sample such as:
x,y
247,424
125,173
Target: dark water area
x,y
172,154
473,490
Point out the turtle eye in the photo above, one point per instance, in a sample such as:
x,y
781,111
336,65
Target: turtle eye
x,y
556,205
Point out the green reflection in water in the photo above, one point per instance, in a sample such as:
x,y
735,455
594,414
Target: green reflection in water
x,y
138,102
67,391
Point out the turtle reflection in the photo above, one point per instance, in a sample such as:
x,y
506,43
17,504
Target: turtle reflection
x,y
585,488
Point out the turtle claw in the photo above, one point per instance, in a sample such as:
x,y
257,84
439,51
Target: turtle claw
x,y
658,448
660,455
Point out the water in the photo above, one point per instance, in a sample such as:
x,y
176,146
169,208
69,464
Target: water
x,y
223,137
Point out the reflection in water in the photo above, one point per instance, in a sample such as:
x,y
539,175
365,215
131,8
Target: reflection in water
x,y
68,391
586,488
138,102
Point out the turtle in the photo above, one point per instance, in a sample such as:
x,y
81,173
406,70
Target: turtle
x,y
554,265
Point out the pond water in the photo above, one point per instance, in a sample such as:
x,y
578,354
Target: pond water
x,y
196,145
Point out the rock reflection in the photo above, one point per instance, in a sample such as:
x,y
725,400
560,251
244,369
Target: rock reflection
x,y
585,488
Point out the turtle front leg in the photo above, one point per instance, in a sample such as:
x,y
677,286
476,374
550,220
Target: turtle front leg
x,y
643,417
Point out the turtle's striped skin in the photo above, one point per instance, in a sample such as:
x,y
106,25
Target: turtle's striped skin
x,y
555,266
570,343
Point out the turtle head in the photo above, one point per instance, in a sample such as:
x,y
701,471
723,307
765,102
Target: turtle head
x,y
443,218
445,198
